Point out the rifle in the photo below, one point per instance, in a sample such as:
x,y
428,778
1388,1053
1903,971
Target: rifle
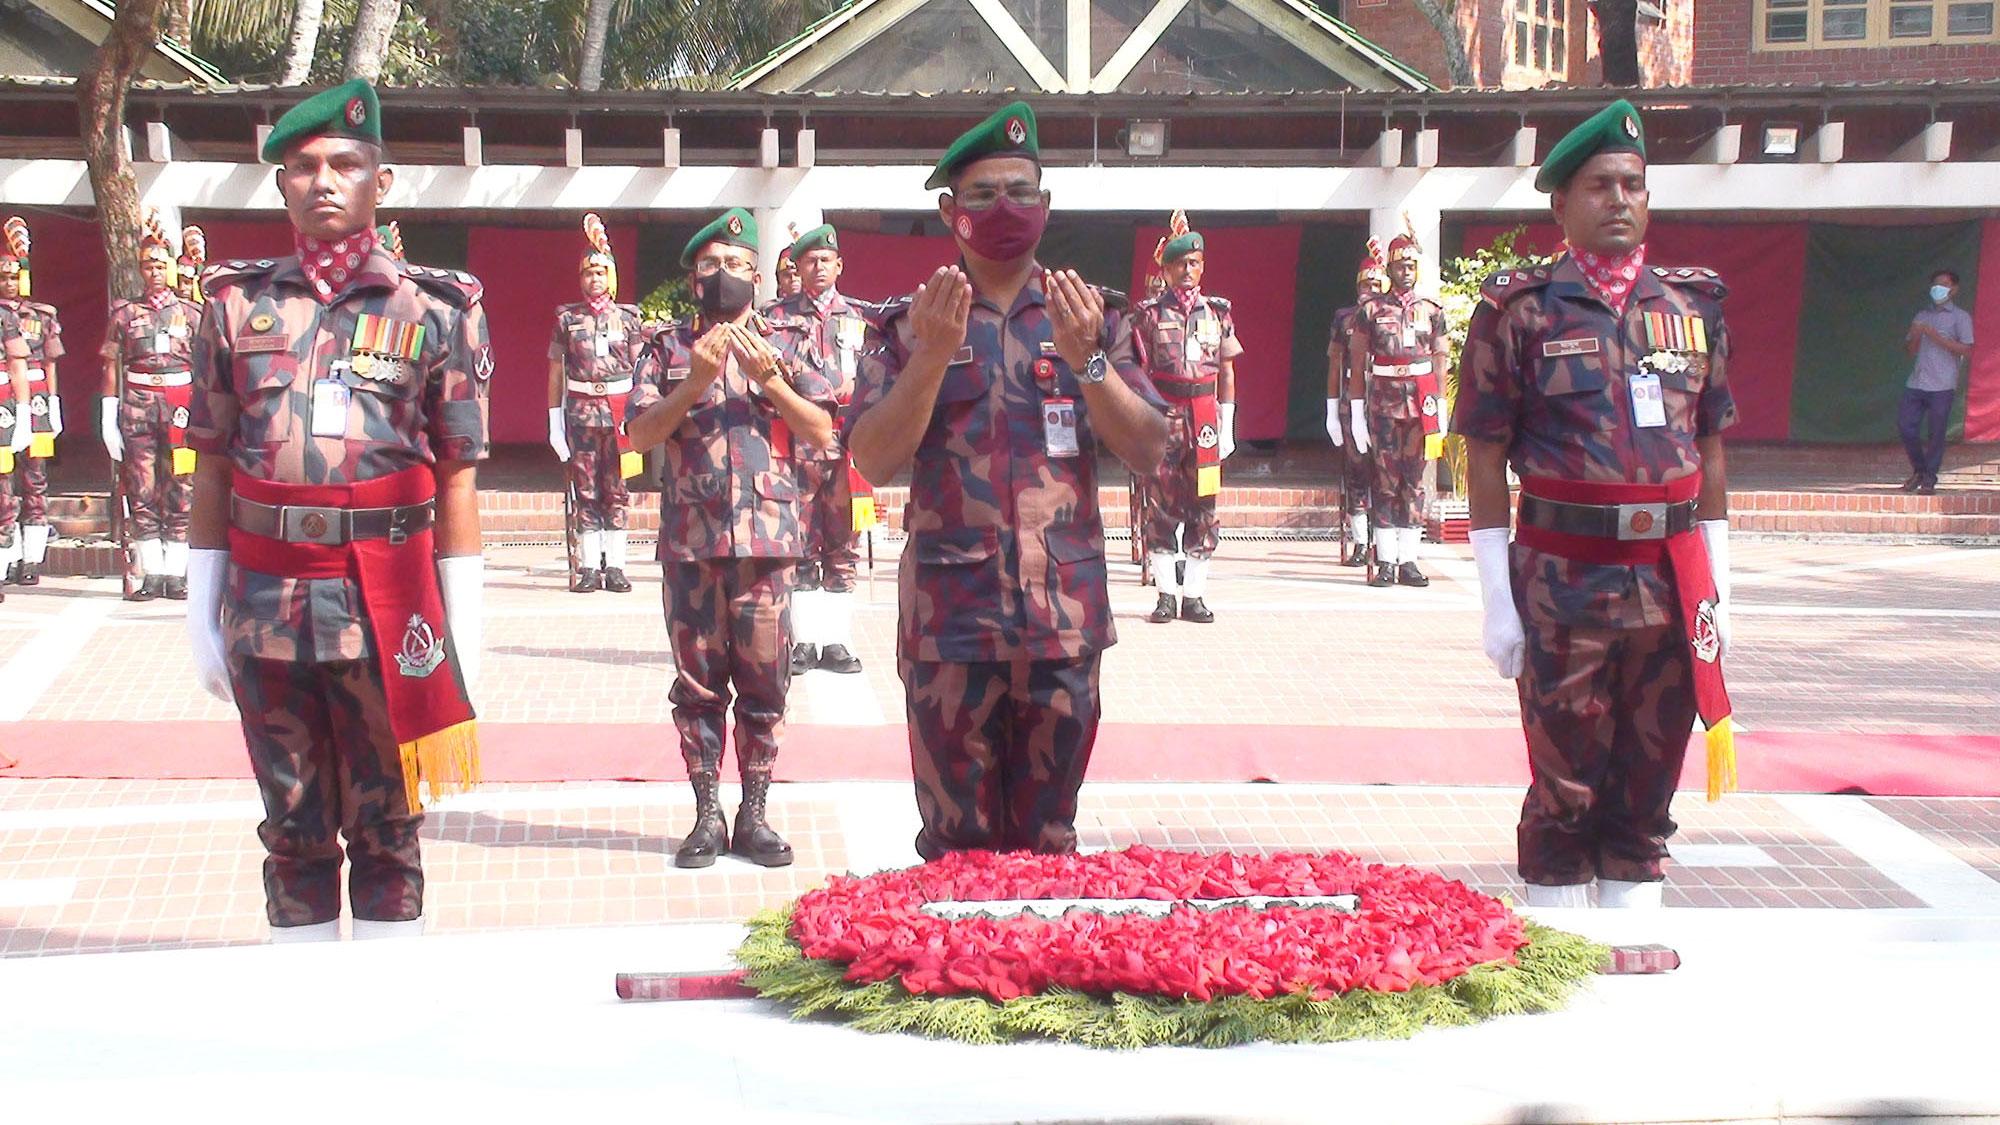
x,y
121,510
569,520
1136,515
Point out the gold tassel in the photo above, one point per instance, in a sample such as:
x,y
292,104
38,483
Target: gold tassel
x,y
6,460
864,513
631,463
1721,759
1208,480
184,460
444,762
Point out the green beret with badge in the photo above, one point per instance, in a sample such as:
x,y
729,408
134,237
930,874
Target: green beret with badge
x,y
1009,132
1615,128
734,227
822,237
347,110
1178,248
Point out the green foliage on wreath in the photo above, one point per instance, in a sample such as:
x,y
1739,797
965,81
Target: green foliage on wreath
x,y
1547,971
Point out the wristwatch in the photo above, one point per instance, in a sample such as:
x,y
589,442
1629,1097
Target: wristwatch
x,y
1094,369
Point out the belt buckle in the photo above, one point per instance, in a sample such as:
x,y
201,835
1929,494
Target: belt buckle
x,y
1642,521
310,525
399,533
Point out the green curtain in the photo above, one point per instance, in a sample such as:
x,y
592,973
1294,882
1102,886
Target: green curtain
x,y
1862,286
1329,255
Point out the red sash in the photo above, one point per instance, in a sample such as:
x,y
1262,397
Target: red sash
x,y
1684,558
429,711
1204,421
1431,401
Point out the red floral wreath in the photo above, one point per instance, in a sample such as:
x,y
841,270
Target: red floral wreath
x,y
1412,927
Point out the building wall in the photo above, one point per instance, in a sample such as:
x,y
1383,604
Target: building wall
x,y
1665,51
1725,53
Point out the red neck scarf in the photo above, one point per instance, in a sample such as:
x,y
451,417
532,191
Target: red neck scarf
x,y
162,297
329,266
598,306
1611,277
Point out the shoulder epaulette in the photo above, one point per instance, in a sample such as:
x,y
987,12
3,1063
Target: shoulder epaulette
x,y
1114,298
893,308
1506,285
44,309
1221,303
460,289
234,272
1693,277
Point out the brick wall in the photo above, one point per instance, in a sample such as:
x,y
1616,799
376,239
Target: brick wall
x,y
1665,53
1724,55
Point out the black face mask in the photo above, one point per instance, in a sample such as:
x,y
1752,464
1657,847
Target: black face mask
x,y
723,294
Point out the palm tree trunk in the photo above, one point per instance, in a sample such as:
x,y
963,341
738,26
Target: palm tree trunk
x,y
303,41
180,21
135,31
1457,64
596,29
1618,41
374,24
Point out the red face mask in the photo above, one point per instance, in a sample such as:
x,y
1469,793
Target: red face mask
x,y
1002,232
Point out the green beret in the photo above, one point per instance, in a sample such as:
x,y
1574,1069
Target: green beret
x,y
1615,128
736,227
819,238
1181,247
1010,132
347,110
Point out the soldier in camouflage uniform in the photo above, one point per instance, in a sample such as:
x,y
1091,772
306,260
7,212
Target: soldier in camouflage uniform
x,y
1188,343
993,383
727,395
148,354
823,595
31,335
341,405
1357,468
786,277
591,358
1398,355
1604,383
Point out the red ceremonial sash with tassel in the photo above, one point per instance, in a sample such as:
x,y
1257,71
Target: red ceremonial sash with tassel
x,y
429,711
1684,559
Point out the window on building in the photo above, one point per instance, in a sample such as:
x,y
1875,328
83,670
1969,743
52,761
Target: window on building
x,y
1541,38
1809,24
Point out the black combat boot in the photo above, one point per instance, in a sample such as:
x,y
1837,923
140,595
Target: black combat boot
x,y
1164,610
1408,575
150,587
1196,610
710,835
13,574
839,658
1357,555
31,574
753,839
616,582
1384,574
174,588
805,658
586,581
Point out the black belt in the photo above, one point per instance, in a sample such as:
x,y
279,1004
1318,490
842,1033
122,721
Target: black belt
x,y
1609,521
1185,388
330,527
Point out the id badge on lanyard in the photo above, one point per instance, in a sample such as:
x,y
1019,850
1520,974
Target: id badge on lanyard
x,y
1059,427
1649,407
330,397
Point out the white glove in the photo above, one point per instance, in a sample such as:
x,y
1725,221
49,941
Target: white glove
x,y
1226,422
462,579
207,573
24,428
55,416
1336,428
558,440
1358,412
107,425
1500,634
1715,533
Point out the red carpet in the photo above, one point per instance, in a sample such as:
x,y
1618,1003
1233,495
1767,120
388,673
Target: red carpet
x,y
1770,761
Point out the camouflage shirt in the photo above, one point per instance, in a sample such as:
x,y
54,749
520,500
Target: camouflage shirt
x,y
264,342
1546,372
1337,335
728,489
1396,328
1185,338
152,341
1006,553
37,329
597,353
840,331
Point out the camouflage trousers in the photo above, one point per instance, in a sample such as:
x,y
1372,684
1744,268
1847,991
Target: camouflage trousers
x,y
10,505
1607,714
1357,477
601,498
29,483
729,623
826,508
327,767
1396,445
998,751
1172,507
159,500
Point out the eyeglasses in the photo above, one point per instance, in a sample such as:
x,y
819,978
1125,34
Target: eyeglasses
x,y
983,198
707,266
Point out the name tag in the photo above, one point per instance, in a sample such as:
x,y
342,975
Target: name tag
x,y
329,408
676,374
1059,427
261,345
1555,349
1649,408
964,356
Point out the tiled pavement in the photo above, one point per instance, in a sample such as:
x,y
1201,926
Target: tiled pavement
x,y
1882,640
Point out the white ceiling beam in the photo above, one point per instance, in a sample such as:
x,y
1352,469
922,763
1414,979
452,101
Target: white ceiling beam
x,y
1724,146
1387,151
1285,22
1827,145
814,57
1119,66
1076,44
1018,44
1523,151
1932,143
